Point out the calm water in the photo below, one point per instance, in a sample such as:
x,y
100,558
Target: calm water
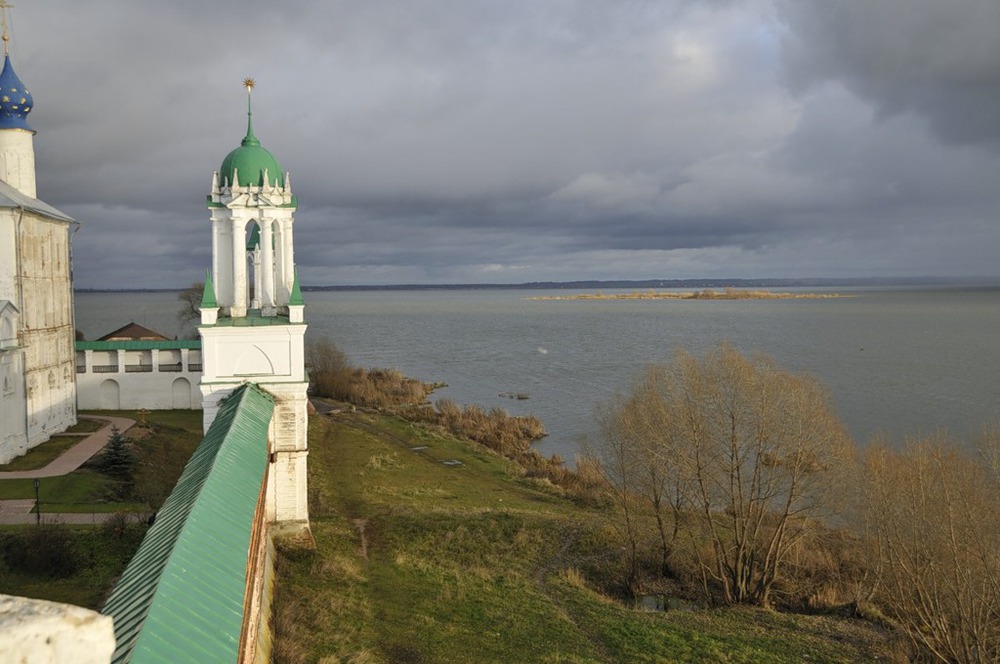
x,y
900,362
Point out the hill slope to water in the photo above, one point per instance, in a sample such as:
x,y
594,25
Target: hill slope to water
x,y
432,549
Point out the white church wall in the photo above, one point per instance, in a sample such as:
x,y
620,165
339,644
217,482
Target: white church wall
x,y
45,293
8,255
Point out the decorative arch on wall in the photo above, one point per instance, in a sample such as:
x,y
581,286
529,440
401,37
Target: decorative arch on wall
x,y
254,362
110,395
180,392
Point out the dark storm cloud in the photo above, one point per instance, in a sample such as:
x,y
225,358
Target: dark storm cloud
x,y
433,141
938,59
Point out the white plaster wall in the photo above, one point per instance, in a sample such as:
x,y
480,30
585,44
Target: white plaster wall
x,y
13,438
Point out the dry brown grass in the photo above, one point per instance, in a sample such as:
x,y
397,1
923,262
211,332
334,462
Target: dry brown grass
x,y
331,376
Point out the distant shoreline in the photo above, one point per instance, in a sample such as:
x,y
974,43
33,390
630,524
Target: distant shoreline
x,y
820,282
707,294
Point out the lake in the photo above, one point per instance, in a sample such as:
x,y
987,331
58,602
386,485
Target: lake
x,y
904,361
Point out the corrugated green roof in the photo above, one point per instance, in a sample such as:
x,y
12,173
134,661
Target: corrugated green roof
x,y
181,597
170,344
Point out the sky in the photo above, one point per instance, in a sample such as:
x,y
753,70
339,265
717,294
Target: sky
x,y
507,141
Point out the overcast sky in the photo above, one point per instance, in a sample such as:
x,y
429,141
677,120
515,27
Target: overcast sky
x,y
504,141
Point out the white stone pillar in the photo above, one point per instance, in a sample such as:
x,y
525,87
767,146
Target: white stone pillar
x,y
256,301
222,260
287,260
267,266
239,308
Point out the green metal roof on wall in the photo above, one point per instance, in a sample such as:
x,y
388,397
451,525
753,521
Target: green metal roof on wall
x,y
181,597
138,344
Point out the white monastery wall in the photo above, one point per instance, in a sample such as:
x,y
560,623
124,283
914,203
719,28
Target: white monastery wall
x,y
121,379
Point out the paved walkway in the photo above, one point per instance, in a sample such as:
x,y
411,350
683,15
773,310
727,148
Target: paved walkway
x,y
75,456
19,511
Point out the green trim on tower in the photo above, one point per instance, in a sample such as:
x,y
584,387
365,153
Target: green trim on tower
x,y
208,296
295,297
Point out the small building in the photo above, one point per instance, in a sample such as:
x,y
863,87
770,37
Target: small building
x,y
135,367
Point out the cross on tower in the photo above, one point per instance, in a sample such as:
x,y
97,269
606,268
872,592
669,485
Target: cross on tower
x,y
3,18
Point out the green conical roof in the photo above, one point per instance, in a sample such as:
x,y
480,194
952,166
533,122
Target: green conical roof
x,y
249,161
208,296
295,297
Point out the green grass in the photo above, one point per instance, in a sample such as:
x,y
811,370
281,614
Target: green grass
x,y
468,563
189,420
42,455
175,434
80,486
85,425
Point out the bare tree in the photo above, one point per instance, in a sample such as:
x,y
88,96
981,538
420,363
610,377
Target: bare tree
x,y
746,456
189,311
933,516
620,467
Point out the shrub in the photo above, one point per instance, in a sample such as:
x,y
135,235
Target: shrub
x,y
330,375
46,550
118,461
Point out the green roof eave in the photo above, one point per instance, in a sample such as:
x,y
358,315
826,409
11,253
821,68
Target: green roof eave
x,y
138,344
181,597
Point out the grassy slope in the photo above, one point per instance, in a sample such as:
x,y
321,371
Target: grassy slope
x,y
418,561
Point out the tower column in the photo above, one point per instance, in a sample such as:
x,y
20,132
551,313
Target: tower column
x,y
287,260
239,307
267,265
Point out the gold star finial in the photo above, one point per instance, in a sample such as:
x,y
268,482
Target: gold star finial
x,y
248,82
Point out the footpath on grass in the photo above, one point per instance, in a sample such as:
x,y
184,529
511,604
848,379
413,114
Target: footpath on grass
x,y
21,511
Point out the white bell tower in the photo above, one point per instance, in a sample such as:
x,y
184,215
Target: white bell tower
x,y
252,324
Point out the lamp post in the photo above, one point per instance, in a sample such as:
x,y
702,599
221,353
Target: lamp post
x,y
38,504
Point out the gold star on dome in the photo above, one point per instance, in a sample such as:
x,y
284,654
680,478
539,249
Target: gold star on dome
x,y
249,84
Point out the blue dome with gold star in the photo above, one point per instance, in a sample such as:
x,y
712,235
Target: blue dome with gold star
x,y
15,100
